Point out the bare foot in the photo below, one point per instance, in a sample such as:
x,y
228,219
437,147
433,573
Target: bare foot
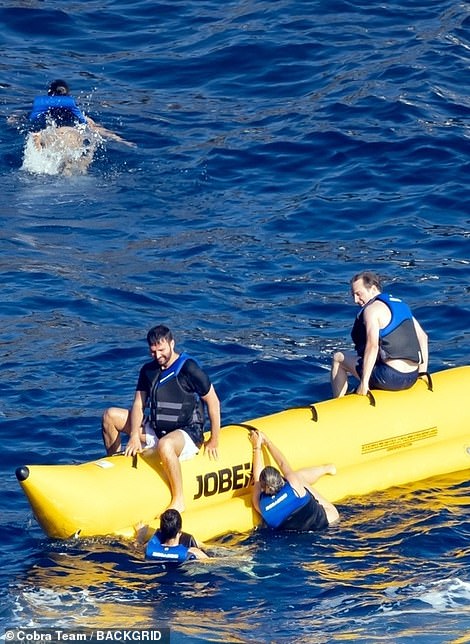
x,y
177,504
330,469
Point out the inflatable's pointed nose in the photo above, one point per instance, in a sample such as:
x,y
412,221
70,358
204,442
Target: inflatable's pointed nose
x,y
22,473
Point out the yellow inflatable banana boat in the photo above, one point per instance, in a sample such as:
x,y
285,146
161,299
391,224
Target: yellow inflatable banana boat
x,y
387,439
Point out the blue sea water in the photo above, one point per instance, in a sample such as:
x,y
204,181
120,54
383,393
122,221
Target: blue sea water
x,y
280,147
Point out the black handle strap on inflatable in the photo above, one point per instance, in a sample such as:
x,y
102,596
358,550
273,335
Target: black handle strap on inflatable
x,y
311,408
369,395
371,398
250,428
427,375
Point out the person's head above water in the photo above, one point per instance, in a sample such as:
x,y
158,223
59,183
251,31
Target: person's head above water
x,y
271,480
58,88
170,524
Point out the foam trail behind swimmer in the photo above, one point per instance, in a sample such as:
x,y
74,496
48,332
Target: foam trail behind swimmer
x,y
53,151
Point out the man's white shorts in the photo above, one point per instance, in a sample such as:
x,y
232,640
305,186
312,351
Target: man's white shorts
x,y
190,448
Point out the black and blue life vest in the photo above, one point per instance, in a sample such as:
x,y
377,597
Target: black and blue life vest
x,y
398,340
171,407
275,509
287,511
170,554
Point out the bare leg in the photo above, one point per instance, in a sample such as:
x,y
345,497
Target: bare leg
x,y
114,421
342,364
169,449
332,513
310,475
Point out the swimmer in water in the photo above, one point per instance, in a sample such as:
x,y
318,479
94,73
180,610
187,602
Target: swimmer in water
x,y
59,127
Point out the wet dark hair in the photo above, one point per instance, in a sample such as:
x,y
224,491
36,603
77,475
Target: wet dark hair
x,y
58,88
368,278
170,524
158,333
271,480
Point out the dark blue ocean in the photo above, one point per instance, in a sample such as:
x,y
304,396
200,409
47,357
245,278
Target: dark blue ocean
x,y
280,147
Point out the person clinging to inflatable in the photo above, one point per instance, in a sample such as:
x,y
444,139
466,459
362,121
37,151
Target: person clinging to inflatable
x,y
285,499
170,545
391,348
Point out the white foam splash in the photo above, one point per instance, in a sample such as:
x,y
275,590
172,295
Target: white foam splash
x,y
64,150
447,594
47,607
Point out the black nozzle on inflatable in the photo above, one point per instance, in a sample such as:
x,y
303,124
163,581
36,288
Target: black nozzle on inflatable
x,y
22,473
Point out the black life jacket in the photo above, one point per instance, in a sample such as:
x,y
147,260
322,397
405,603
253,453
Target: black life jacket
x,y
171,407
398,339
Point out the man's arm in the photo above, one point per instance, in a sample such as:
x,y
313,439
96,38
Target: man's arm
x,y
134,444
372,323
107,134
198,553
213,411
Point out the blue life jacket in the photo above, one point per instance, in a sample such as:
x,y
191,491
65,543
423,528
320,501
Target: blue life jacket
x,y
398,340
60,110
276,509
171,407
167,554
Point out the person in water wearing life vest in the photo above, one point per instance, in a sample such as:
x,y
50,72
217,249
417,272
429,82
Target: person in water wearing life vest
x,y
56,108
59,110
170,545
391,346
167,412
284,498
